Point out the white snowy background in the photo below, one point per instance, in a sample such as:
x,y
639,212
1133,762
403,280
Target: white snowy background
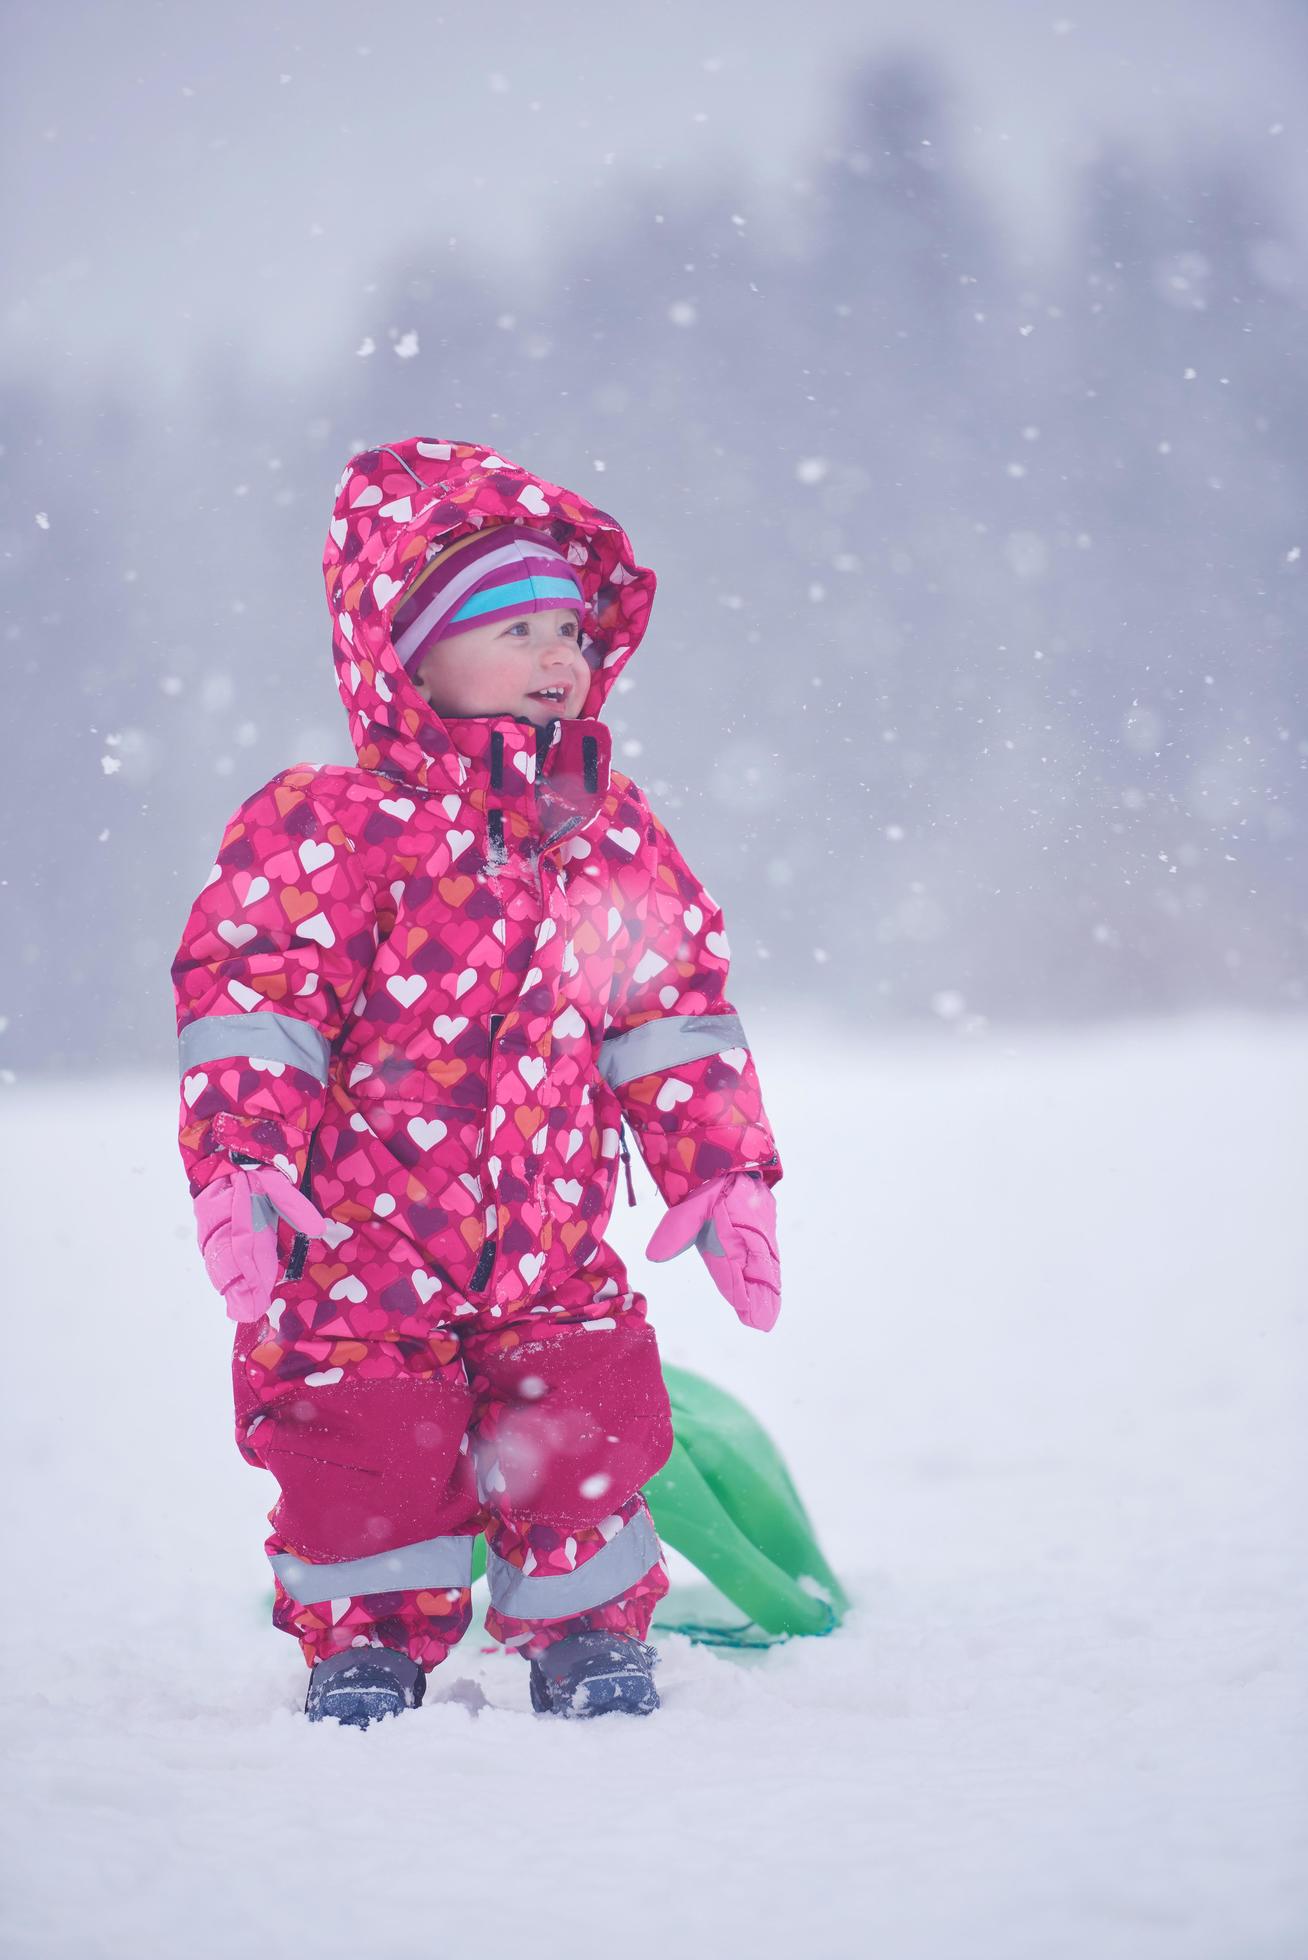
x,y
950,370
1041,1379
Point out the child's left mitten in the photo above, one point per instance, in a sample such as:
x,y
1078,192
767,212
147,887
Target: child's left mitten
x,y
732,1223
236,1216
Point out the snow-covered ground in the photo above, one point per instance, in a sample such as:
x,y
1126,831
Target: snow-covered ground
x,y
1041,1378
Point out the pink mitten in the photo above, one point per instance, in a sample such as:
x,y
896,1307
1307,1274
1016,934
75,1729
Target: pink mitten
x,y
732,1222
237,1218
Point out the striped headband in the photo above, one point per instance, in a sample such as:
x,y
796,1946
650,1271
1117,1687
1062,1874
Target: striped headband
x,y
496,574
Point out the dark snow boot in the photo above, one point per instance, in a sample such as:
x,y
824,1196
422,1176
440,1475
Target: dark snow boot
x,y
595,1674
362,1685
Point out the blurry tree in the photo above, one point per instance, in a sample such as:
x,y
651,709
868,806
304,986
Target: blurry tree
x,y
974,680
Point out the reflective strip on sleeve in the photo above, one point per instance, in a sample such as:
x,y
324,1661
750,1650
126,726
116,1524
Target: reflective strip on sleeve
x,y
558,1595
667,1043
267,1036
443,1562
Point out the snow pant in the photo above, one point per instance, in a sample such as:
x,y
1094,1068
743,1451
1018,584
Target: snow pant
x,y
392,1456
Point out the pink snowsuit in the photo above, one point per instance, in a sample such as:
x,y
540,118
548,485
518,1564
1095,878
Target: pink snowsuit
x,y
431,988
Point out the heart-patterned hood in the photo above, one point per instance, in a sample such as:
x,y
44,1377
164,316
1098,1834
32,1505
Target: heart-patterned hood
x,y
399,504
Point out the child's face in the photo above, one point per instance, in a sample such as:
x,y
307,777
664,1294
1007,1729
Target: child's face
x,y
531,666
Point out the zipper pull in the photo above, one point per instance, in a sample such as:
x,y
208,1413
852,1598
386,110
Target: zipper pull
x,y
626,1160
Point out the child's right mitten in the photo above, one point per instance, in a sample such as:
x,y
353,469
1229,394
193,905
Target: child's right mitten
x,y
236,1215
732,1223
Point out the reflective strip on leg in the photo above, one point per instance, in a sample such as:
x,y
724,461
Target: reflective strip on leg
x,y
263,1035
668,1042
558,1595
444,1563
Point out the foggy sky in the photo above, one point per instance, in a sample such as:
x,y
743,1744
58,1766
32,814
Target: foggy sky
x,y
182,178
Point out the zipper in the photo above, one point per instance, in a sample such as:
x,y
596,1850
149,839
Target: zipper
x,y
626,1161
300,1243
485,1265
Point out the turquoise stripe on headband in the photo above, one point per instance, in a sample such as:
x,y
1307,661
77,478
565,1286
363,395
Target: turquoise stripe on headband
x,y
520,592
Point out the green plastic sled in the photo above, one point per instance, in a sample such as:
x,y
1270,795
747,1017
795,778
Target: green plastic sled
x,y
725,1501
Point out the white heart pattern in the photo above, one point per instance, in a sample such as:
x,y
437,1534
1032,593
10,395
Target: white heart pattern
x,y
194,1086
626,840
468,978
568,1188
235,935
458,841
569,1025
425,1284
529,1266
671,1094
400,508
340,530
533,499
400,807
349,1288
383,1205
531,1068
406,987
244,996
426,1131
256,889
717,943
317,927
445,1027
367,497
692,918
385,588
313,856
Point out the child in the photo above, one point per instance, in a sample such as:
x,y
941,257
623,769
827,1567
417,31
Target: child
x,y
417,999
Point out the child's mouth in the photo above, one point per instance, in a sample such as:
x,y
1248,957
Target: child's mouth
x,y
554,695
